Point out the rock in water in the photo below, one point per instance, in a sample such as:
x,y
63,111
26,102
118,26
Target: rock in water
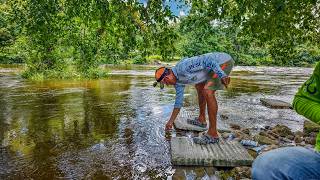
x,y
243,171
282,130
310,126
310,140
275,104
298,139
235,126
246,130
299,133
265,140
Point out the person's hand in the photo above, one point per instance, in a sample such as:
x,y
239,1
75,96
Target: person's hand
x,y
225,81
169,126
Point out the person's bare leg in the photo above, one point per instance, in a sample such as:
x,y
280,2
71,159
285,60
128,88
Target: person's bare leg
x,y
202,102
212,111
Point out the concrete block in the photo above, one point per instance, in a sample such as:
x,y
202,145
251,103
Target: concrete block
x,y
222,154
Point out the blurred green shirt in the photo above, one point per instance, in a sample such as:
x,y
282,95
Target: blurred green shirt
x,y
307,100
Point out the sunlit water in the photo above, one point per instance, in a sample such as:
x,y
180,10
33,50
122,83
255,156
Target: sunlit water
x,y
114,127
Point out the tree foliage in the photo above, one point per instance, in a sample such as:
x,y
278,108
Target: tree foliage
x,y
81,34
280,25
71,38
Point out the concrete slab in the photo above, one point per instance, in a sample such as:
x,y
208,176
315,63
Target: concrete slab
x,y
222,154
181,122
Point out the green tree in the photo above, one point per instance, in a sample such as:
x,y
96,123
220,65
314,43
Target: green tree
x,y
282,25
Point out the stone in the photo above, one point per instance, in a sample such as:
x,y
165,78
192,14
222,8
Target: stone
x,y
243,171
309,146
222,154
297,139
274,135
313,134
235,126
310,126
187,173
275,104
239,134
246,130
290,137
299,133
282,130
301,144
265,140
310,140
268,134
237,173
253,153
227,174
267,127
223,116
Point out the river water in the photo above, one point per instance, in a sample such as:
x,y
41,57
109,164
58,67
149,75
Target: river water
x,y
113,128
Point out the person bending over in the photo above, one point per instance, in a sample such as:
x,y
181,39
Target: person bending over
x,y
208,72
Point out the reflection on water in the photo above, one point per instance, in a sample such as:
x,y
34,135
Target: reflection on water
x,y
114,127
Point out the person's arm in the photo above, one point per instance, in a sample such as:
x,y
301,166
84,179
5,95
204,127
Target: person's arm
x,y
177,106
173,117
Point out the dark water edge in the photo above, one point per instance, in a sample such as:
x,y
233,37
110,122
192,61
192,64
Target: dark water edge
x,y
113,128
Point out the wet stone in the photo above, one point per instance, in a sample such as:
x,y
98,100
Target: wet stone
x,y
223,116
244,172
253,153
222,154
246,131
310,140
275,104
265,140
309,146
310,126
290,137
313,134
301,144
237,173
267,127
235,126
282,130
268,134
297,139
298,133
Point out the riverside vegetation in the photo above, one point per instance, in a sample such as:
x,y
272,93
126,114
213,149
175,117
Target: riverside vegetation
x,y
70,39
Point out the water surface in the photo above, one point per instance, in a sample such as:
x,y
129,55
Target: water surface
x,y
114,127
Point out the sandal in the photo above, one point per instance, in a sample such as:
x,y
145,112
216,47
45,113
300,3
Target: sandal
x,y
196,122
206,139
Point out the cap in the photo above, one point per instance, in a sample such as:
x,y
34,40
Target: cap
x,y
161,73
